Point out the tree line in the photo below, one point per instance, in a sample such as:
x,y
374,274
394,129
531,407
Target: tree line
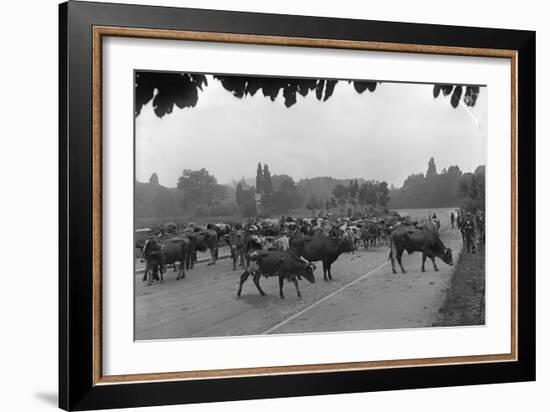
x,y
282,199
450,188
198,193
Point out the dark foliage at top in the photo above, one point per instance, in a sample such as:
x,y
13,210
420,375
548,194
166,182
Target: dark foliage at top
x,y
456,91
182,89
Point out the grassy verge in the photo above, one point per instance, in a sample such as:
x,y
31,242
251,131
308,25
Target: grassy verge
x,y
465,301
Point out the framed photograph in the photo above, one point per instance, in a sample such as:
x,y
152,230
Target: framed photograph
x,y
256,206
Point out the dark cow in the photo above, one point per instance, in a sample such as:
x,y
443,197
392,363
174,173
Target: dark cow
x,y
222,229
324,249
178,250
154,268
383,232
416,240
369,233
202,241
173,251
285,265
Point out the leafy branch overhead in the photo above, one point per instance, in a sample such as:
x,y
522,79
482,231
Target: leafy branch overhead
x,y
182,89
456,91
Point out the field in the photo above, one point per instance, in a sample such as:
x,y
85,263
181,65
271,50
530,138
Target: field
x,y
364,295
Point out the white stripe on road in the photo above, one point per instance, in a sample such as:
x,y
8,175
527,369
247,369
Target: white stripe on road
x,y
284,322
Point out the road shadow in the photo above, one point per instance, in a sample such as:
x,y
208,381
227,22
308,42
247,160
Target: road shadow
x,y
258,300
49,398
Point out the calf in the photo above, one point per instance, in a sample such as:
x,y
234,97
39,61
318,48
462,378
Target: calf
x,y
285,265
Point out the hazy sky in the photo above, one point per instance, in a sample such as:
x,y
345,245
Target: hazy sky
x,y
384,135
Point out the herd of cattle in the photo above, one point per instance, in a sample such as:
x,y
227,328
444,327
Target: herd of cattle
x,y
287,247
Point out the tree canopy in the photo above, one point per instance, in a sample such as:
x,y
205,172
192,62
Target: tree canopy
x,y
369,194
285,198
200,187
471,190
446,189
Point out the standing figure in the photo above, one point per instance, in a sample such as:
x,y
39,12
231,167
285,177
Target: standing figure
x,y
452,220
468,233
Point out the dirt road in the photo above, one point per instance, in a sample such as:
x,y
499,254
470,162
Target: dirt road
x,y
364,294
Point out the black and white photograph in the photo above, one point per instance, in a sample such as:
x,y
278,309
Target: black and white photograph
x,y
280,205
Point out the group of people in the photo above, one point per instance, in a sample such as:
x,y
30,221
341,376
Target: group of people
x,y
472,227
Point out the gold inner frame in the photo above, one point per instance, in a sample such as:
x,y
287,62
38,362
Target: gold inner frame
x,y
101,31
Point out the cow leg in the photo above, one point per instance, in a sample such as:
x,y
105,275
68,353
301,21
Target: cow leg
x,y
181,273
256,279
244,276
328,270
175,268
161,275
241,258
150,275
433,262
295,281
213,255
155,274
193,258
324,271
281,283
392,260
145,274
234,257
423,261
399,255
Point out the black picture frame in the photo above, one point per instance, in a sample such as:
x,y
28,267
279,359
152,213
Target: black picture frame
x,y
77,390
